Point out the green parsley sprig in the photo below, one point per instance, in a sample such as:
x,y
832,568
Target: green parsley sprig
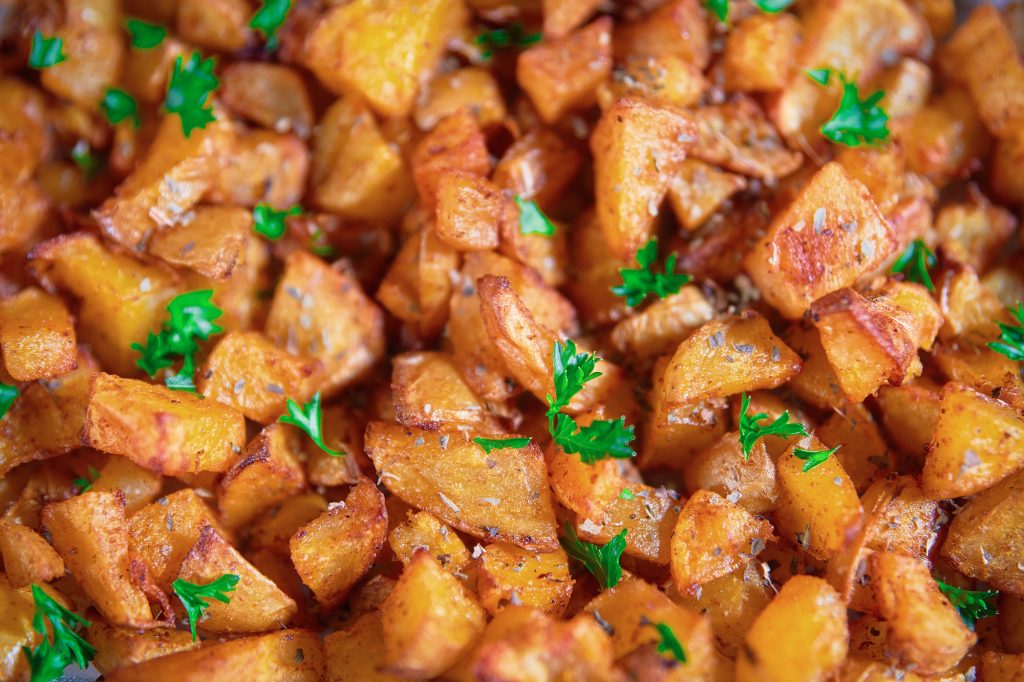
x,y
192,317
309,418
86,160
45,52
669,643
813,458
972,605
639,283
720,8
491,444
118,105
271,223
268,20
8,394
85,484
604,563
532,220
188,90
145,36
626,494
750,430
498,38
47,661
856,121
1011,337
195,598
914,263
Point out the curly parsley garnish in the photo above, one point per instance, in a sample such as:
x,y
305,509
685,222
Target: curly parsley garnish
x,y
118,105
972,605
497,38
639,283
602,562
268,20
720,8
856,121
189,88
48,660
750,431
1011,337
914,263
192,317
8,394
85,484
813,458
86,160
195,597
309,418
45,52
271,223
490,444
146,36
669,643
532,220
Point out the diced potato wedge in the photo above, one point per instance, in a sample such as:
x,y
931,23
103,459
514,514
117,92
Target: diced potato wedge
x,y
863,454
423,530
271,95
450,91
660,327
211,242
139,485
471,211
356,654
507,574
430,619
261,167
649,518
170,432
91,535
269,472
332,552
562,16
909,598
28,557
117,647
760,53
945,137
699,190
450,476
678,27
538,166
738,137
663,78
217,24
629,192
813,618
274,529
95,54
37,336
910,413
18,608
711,539
457,143
724,470
429,393
26,209
975,234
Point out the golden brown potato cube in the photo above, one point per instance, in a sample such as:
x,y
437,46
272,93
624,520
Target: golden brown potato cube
x,y
488,496
23,110
679,28
830,236
321,311
849,36
140,486
818,508
448,92
270,95
562,16
17,605
975,234
356,654
977,443
382,50
418,286
170,432
456,144
538,167
547,254
969,306
944,138
332,552
649,518
342,430
864,454
92,536
925,631
146,71
900,518
813,618
275,528
509,575
881,170
561,75
423,530
907,85
712,538
699,190
222,25
595,272
586,489
37,336
725,357
211,241
470,211
117,647
909,414
261,167
355,171
737,136
671,435
268,473
25,208
760,53
660,327
634,606
724,470
1007,184
981,54
163,533
292,655
429,393
629,192
94,58
247,372
661,78
998,666
28,557
1011,618
430,619
986,538
256,604
241,297
121,299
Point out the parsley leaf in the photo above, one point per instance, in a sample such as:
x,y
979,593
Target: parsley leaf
x,y
515,34
720,8
626,494
194,597
813,458
192,317
857,121
489,444
45,52
773,6
750,431
188,90
820,76
532,220
571,371
84,158
637,284
595,441
918,258
318,244
48,660
1010,343
8,394
309,418
669,643
602,562
119,105
145,35
971,604
84,484
269,18
270,223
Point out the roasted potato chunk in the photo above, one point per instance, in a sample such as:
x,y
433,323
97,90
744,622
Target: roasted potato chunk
x,y
28,557
37,336
509,575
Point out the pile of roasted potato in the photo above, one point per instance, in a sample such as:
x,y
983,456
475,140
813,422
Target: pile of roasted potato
x,y
511,340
